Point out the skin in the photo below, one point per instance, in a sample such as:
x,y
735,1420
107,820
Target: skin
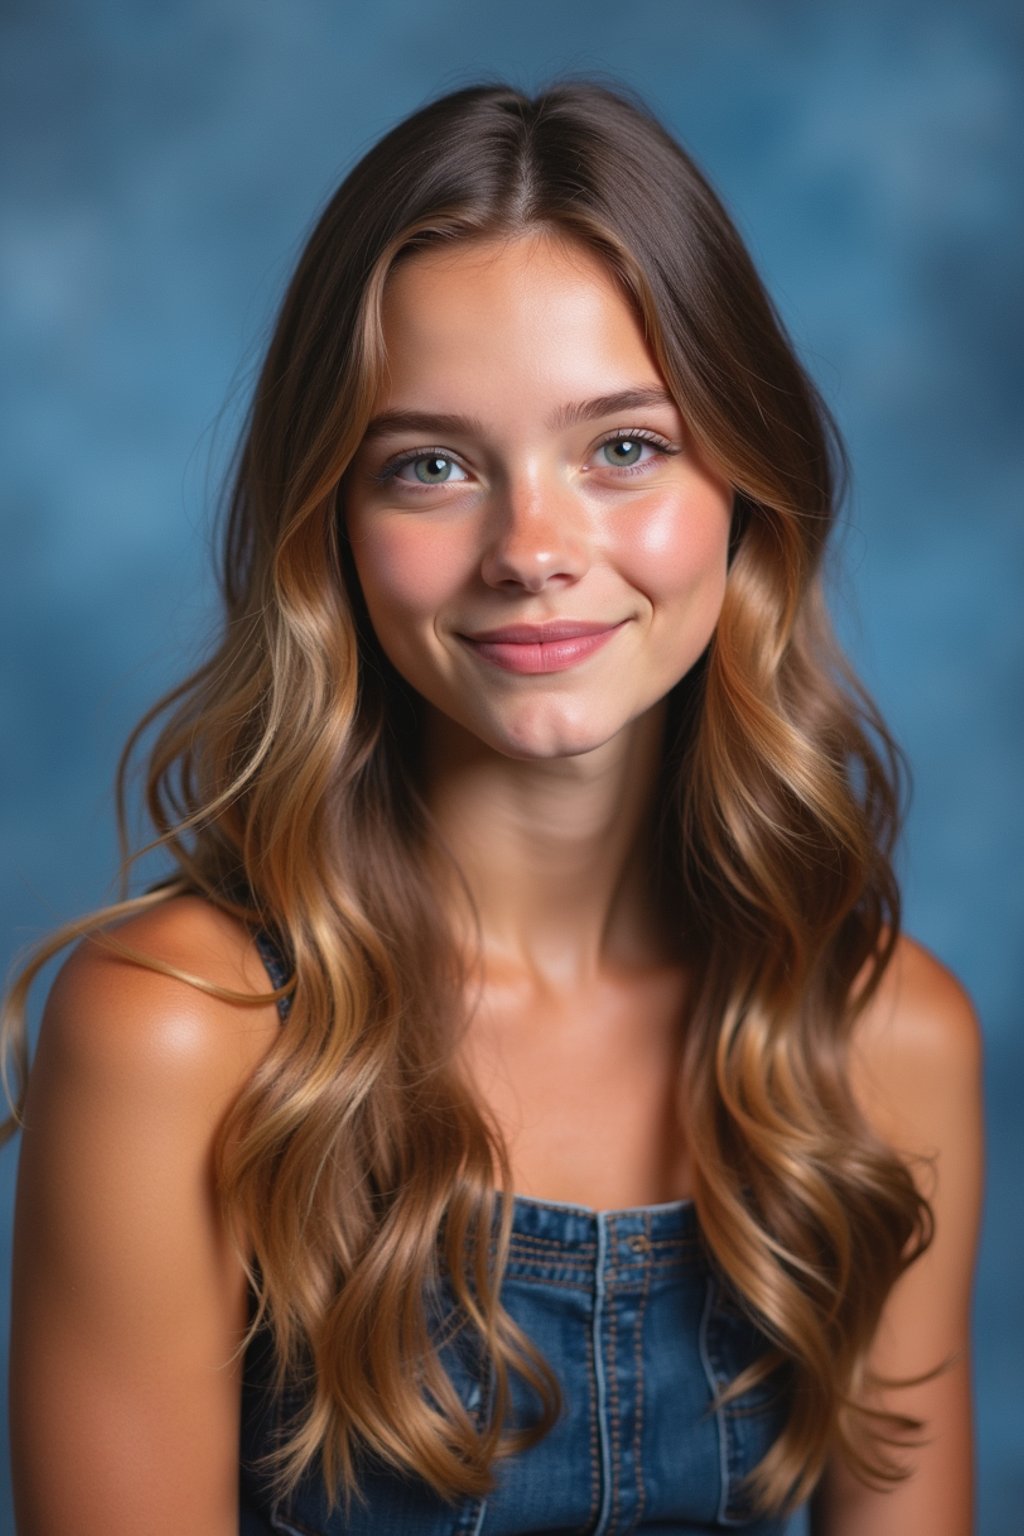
x,y
128,1300
542,784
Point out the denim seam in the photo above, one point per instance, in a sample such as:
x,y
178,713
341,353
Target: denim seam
x,y
550,1263
557,1205
567,1285
638,1357
613,1390
544,1266
557,1240
595,1448
548,1245
554,1261
538,1259
566,1275
478,1523
481,1414
599,1372
551,1245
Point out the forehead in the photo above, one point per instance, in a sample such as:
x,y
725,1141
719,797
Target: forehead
x,y
538,311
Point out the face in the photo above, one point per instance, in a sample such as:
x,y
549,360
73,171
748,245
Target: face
x,y
541,551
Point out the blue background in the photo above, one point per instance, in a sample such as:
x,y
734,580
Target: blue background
x,y
162,163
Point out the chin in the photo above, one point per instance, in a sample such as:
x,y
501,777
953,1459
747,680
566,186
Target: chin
x,y
522,753
548,742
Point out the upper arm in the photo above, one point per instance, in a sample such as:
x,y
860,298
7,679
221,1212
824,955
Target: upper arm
x,y
128,1299
917,1075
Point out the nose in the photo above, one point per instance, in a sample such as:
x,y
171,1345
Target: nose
x,y
537,536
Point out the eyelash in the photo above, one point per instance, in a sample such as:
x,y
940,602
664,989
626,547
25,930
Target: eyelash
x,y
641,435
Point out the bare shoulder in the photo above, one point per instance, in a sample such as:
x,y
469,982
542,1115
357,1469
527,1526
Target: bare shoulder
x,y
920,1005
916,1073
917,1051
116,1004
129,1291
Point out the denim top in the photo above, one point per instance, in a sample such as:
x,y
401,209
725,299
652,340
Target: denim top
x,y
627,1308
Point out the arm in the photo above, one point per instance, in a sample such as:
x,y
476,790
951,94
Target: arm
x,y
917,1075
128,1301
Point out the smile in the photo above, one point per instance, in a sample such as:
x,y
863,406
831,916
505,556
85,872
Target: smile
x,y
533,649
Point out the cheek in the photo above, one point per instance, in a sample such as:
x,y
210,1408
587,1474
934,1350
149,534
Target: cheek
x,y
405,568
679,550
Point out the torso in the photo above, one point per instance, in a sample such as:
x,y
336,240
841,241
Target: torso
x,y
583,1084
580,1084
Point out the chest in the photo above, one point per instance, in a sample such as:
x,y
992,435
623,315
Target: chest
x,y
584,1084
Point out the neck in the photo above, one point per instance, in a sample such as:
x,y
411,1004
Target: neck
x,y
555,853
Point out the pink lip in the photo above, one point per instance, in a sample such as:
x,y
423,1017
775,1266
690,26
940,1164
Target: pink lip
x,y
538,634
535,648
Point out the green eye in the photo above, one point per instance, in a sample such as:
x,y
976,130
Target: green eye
x,y
623,451
433,469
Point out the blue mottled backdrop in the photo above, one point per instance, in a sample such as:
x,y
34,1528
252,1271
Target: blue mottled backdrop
x,y
161,162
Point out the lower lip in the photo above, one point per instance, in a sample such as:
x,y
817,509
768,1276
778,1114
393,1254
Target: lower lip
x,y
549,656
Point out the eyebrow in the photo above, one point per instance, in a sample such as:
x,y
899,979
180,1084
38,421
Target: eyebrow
x,y
566,416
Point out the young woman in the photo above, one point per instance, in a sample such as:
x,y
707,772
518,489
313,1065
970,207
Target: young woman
x,y
602,1159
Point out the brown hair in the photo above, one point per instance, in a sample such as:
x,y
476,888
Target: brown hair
x,y
284,786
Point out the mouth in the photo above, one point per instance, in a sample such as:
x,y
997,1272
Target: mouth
x,y
540,648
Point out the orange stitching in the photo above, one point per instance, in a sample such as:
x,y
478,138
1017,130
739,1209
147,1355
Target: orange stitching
x,y
553,1250
613,1381
581,1284
638,1339
595,1451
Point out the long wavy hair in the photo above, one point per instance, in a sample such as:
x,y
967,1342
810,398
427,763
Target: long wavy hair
x,y
355,1170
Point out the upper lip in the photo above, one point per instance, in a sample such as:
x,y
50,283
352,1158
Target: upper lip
x,y
534,634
